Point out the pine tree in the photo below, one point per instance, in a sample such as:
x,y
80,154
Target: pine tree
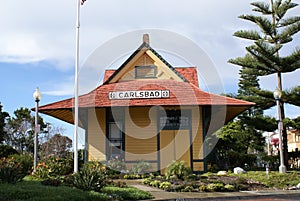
x,y
276,30
3,116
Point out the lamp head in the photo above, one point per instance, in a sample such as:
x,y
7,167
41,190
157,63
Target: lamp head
x,y
277,94
37,95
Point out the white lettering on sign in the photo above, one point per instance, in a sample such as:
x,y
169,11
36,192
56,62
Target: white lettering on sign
x,y
120,95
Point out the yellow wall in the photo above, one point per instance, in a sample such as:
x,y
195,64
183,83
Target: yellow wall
x,y
141,130
96,134
148,58
141,137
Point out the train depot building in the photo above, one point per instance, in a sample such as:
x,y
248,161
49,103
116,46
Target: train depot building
x,y
148,110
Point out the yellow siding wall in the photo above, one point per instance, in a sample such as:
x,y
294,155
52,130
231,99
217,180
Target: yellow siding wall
x,y
96,134
163,72
141,133
197,133
174,145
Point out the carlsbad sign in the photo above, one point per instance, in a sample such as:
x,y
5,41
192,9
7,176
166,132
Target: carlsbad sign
x,y
121,95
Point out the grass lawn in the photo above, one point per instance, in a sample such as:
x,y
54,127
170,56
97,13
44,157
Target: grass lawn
x,y
30,190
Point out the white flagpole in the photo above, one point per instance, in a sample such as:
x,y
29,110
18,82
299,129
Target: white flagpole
x,y
75,143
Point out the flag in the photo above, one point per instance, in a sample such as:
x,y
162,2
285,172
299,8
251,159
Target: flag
x,y
82,2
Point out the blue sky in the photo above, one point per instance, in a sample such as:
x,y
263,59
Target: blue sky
x,y
37,42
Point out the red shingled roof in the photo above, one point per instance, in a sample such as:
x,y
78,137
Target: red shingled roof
x,y
181,94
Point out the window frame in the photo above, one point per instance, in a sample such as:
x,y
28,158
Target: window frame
x,y
145,67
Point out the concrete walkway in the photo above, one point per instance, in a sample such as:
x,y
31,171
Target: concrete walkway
x,y
159,194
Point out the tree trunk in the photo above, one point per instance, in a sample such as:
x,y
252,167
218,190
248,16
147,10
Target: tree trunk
x,y
284,132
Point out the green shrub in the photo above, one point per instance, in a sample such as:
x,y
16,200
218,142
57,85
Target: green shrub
x,y
202,187
91,176
42,171
146,181
165,185
116,164
26,160
127,193
59,166
132,176
6,151
229,187
216,187
11,171
177,170
141,167
155,183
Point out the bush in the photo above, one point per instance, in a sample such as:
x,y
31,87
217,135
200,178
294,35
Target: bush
x,y
26,160
42,171
11,171
59,166
116,164
6,151
91,177
177,170
218,187
165,185
141,167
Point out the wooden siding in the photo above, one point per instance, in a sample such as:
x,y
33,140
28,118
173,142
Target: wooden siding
x,y
174,145
97,136
197,135
148,58
141,132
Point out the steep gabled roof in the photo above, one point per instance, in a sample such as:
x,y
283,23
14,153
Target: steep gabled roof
x,y
189,73
142,47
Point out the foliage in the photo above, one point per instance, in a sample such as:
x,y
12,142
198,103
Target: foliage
x,y
91,176
275,180
58,146
141,167
293,123
6,151
177,169
215,187
116,164
11,171
3,116
59,166
20,130
127,193
275,30
42,171
25,159
34,191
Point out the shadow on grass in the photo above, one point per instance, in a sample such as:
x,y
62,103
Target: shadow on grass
x,y
31,190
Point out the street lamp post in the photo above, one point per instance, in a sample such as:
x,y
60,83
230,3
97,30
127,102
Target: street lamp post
x,y
277,96
37,97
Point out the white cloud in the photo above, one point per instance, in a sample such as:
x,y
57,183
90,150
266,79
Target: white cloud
x,y
35,31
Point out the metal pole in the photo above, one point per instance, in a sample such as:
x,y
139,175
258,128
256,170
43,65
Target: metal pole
x,y
282,168
76,90
36,136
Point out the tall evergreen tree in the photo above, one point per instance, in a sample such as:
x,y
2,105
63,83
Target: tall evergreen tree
x,y
3,116
276,30
20,130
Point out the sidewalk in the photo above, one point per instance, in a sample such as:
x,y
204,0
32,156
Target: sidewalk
x,y
158,194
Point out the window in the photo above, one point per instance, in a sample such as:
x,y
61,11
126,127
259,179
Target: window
x,y
145,71
115,140
174,120
115,135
